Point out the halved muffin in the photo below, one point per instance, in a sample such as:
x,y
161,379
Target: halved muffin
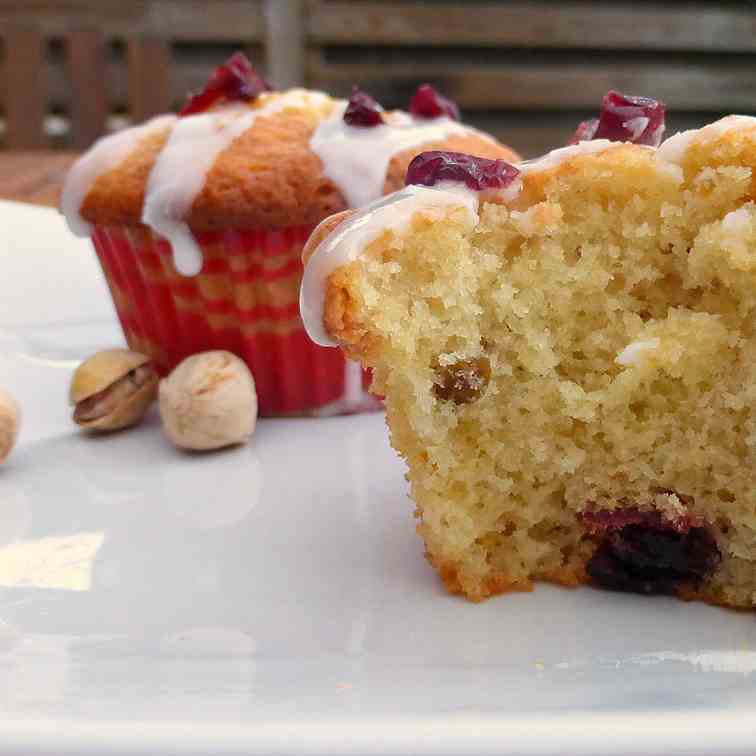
x,y
567,348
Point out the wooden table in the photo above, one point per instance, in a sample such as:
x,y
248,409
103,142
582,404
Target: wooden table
x,y
35,177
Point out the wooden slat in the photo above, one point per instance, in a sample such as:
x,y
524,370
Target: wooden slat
x,y
183,20
239,21
149,85
703,87
284,42
86,64
24,92
710,87
599,25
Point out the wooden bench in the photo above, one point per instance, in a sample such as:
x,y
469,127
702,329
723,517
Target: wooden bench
x,y
86,60
528,70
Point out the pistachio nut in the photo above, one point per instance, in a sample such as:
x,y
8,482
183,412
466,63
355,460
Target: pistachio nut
x,y
113,389
209,401
10,419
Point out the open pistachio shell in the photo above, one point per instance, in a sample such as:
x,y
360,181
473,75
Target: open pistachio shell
x,y
113,389
102,370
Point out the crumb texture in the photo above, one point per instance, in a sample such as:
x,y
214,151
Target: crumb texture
x,y
591,348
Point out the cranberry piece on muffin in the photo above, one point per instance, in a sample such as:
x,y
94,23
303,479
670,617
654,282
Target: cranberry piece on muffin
x,y
363,110
430,168
236,80
625,118
642,559
647,551
427,102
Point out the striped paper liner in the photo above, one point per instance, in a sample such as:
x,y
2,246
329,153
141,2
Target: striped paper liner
x,y
244,300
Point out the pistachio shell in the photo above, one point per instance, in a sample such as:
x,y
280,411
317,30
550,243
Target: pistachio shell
x,y
209,401
10,419
102,370
129,411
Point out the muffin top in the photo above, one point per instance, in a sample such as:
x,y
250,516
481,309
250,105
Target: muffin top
x,y
440,184
258,159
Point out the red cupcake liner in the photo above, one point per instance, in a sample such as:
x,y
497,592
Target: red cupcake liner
x,y
245,300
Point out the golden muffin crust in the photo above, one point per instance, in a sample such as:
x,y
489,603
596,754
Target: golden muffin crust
x,y
267,177
117,196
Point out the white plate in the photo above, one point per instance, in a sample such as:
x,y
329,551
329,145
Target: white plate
x,y
274,598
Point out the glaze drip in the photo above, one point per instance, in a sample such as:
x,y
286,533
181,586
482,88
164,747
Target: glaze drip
x,y
180,172
357,159
105,155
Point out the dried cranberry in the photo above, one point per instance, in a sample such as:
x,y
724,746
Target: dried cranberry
x,y
463,382
236,79
643,552
362,110
428,103
429,168
625,118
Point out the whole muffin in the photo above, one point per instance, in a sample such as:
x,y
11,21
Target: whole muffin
x,y
199,220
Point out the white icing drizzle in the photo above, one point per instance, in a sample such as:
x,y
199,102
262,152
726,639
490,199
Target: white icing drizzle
x,y
356,158
502,196
180,172
636,351
557,157
673,148
105,155
391,213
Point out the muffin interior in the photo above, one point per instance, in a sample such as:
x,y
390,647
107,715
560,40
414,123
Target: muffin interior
x,y
587,351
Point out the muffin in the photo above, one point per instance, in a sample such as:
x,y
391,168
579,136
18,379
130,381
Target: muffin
x,y
567,351
199,221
